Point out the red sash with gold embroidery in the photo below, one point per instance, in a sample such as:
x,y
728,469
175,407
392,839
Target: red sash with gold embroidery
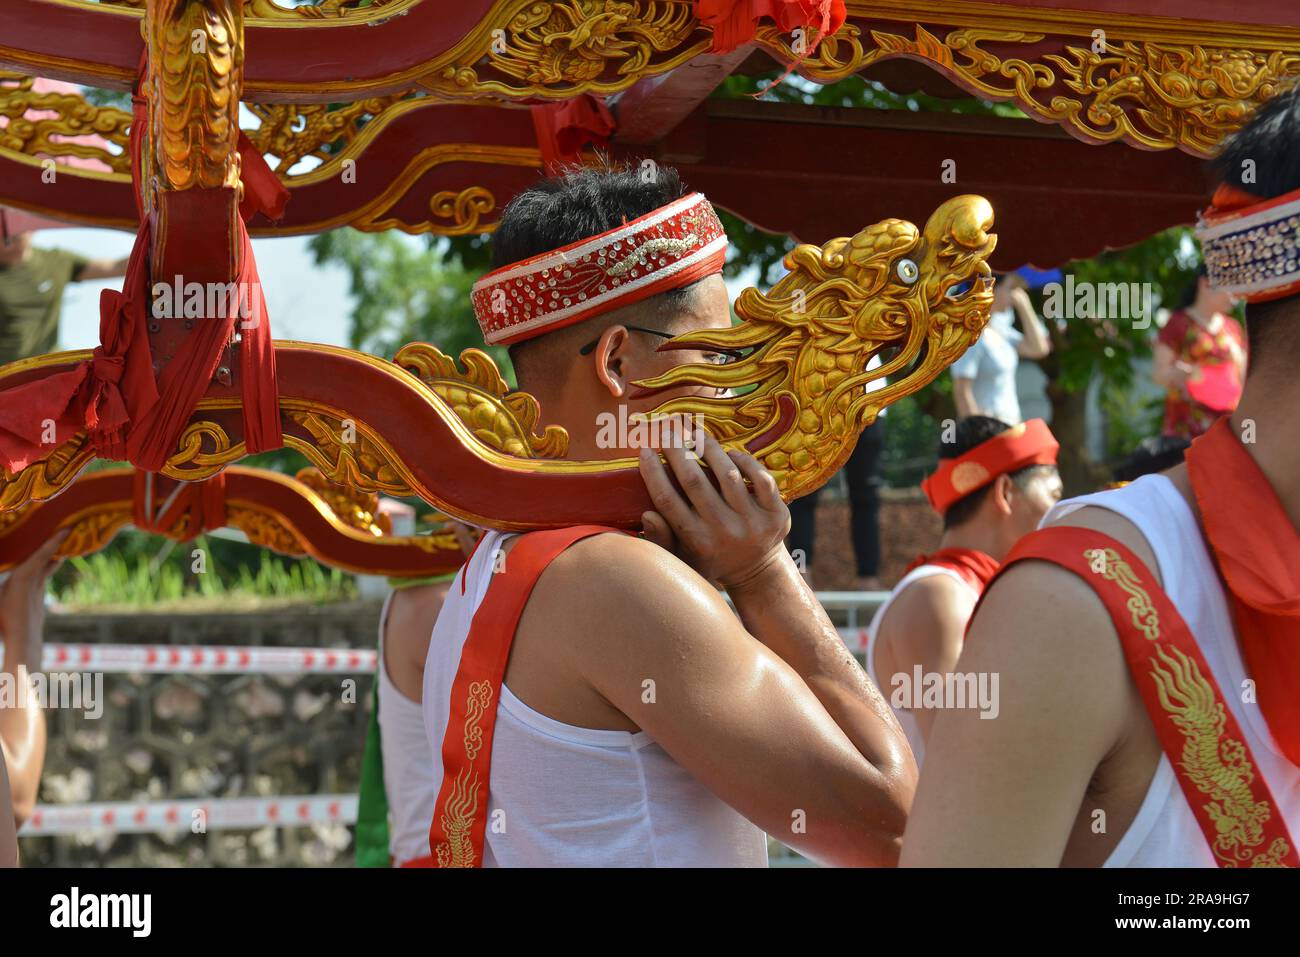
x,y
459,824
1197,730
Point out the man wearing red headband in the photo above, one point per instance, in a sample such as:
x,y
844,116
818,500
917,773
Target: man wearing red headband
x,y
994,484
1148,638
591,698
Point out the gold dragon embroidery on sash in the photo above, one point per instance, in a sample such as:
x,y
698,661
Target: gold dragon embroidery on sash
x,y
458,816
458,820
1217,764
480,696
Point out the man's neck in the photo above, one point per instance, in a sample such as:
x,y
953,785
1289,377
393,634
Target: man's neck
x,y
1265,420
975,535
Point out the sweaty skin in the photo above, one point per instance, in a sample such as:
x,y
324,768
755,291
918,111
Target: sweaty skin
x,y
1073,736
22,730
764,705
8,834
926,623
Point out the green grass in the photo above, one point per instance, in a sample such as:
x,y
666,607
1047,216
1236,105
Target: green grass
x,y
111,579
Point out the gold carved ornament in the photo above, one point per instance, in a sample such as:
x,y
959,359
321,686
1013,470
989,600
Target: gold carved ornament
x,y
917,297
1152,94
556,50
1217,764
196,58
73,117
921,296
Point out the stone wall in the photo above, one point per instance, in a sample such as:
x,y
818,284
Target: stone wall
x,y
219,736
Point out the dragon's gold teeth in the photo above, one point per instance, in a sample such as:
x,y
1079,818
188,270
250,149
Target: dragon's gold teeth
x,y
804,346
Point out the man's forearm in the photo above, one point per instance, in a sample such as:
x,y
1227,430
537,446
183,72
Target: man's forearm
x,y
22,726
779,609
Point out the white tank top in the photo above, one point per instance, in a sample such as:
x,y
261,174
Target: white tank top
x,y
408,764
563,796
911,727
1165,832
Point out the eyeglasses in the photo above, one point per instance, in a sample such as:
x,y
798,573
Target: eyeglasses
x,y
717,358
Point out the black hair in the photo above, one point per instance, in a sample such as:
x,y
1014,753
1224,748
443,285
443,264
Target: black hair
x,y
1153,454
581,202
1263,159
1192,289
577,204
970,431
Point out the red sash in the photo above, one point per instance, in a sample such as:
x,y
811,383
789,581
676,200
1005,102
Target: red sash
x,y
459,823
1197,730
976,568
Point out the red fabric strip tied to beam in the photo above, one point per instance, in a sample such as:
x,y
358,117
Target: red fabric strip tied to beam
x,y
204,502
564,128
735,22
114,397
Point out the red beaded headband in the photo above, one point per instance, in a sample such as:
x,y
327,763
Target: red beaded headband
x,y
1030,443
1251,246
669,248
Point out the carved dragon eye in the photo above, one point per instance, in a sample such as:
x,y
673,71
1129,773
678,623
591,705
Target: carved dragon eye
x,y
908,271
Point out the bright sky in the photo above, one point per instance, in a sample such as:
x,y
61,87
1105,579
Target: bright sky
x,y
305,301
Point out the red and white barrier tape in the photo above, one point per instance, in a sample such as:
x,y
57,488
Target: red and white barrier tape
x,y
207,659
218,814
234,659
855,638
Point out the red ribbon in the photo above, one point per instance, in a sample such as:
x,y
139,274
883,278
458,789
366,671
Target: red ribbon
x,y
113,396
564,128
975,567
204,502
734,22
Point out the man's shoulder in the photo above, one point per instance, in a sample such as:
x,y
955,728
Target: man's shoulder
x,y
933,598
625,583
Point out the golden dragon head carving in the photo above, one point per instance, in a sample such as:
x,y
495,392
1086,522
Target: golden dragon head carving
x,y
916,298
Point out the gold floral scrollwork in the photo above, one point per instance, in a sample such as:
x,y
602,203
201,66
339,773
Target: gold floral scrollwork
x,y
194,459
347,453
94,529
354,508
265,529
463,209
291,132
570,46
46,478
324,9
55,136
482,400
1157,95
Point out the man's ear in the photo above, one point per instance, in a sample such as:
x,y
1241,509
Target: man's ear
x,y
1003,489
610,358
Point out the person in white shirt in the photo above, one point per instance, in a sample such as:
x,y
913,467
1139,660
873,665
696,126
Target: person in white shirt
x,y
984,379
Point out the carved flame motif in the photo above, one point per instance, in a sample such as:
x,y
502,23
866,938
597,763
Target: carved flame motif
x,y
354,507
482,400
